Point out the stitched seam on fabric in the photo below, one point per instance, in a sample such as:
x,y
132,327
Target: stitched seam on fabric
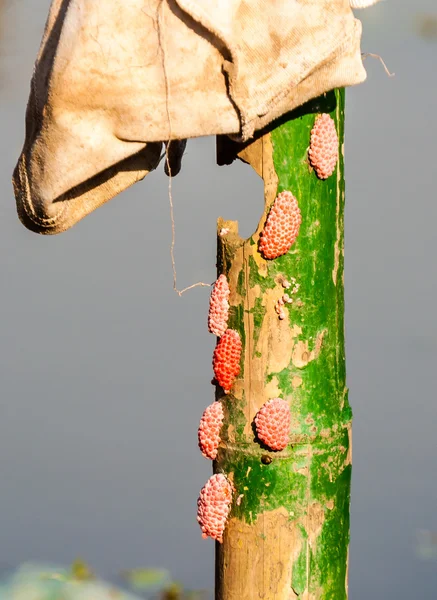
x,y
28,206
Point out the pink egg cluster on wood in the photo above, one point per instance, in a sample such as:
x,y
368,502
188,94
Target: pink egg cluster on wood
x,y
219,307
282,226
213,506
323,152
226,359
209,430
272,424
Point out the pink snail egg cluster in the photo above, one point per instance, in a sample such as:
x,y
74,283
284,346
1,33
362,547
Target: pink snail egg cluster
x,y
219,307
272,424
226,359
209,430
323,152
213,506
282,226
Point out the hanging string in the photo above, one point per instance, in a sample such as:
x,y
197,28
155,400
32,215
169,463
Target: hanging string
x,y
168,165
173,238
366,54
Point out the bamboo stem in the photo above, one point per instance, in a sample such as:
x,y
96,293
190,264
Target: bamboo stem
x,y
288,533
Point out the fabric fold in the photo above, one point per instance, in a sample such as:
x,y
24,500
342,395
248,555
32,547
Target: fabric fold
x,y
113,81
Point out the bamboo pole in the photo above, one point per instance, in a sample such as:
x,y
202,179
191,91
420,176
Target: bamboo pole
x,y
288,532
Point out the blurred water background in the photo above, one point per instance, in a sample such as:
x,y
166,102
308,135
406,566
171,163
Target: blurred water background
x,y
105,371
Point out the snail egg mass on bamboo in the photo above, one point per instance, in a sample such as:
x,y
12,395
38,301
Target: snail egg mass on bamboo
x,y
226,359
213,506
272,423
219,307
209,430
323,152
282,226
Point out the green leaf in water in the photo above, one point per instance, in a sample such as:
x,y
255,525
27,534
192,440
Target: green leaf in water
x,y
146,580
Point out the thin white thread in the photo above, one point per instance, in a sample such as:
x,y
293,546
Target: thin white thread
x,y
366,54
170,195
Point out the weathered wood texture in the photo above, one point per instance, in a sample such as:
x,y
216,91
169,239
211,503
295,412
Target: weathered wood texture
x,y
288,533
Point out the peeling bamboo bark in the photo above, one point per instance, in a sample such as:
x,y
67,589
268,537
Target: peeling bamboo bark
x,y
288,532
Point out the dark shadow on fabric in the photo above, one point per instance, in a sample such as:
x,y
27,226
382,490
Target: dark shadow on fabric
x,y
173,160
42,75
146,159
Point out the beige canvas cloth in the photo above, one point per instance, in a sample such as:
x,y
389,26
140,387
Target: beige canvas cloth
x,y
114,79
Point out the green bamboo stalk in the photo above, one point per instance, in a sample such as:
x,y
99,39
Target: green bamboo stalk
x,y
288,532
